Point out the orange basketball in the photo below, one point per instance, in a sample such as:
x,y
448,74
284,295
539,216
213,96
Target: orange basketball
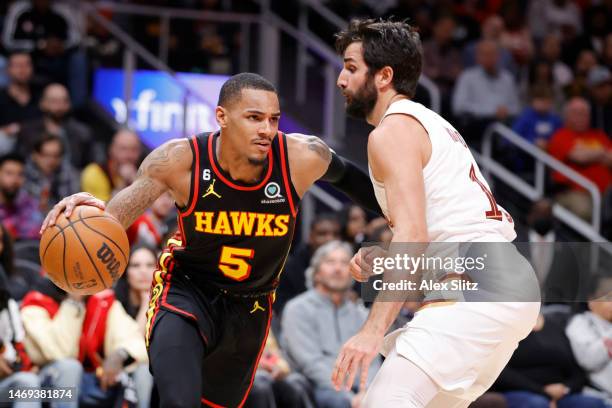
x,y
86,253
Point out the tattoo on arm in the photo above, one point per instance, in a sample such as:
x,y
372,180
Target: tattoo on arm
x,y
132,201
318,146
150,183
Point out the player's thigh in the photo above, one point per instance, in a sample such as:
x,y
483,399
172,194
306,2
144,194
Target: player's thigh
x,y
176,353
400,383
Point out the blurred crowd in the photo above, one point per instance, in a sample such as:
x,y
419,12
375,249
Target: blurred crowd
x,y
542,67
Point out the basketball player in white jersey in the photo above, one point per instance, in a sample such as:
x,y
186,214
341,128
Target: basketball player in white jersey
x,y
431,190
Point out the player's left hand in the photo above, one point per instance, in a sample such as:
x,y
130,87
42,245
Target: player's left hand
x,y
356,354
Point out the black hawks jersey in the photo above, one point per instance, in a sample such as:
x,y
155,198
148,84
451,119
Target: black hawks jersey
x,y
236,236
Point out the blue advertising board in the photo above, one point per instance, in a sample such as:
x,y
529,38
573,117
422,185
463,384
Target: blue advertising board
x,y
156,109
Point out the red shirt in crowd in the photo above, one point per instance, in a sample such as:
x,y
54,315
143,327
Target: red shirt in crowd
x,y
562,143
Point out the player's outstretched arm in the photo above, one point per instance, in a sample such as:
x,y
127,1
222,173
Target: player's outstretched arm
x,y
158,173
314,160
399,165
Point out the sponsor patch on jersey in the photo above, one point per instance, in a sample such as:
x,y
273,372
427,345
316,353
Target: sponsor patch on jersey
x,y
273,193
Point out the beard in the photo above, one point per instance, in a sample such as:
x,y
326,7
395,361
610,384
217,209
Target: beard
x,y
361,104
9,194
56,116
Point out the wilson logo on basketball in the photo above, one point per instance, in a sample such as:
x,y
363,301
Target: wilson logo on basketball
x,y
108,258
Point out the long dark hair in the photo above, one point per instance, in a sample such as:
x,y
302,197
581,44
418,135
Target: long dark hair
x,y
122,287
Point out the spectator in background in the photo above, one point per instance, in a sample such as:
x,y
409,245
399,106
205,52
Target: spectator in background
x,y
586,61
60,326
48,178
517,37
444,61
590,334
151,227
492,30
597,25
586,150
543,372
15,365
324,228
134,287
554,16
18,210
48,29
353,221
599,82
484,93
554,263
537,122
275,385
541,74
17,285
18,101
119,171
316,324
55,105
606,57
550,51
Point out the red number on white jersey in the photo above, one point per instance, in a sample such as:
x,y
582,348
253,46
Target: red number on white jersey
x,y
494,213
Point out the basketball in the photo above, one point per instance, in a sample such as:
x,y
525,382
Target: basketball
x,y
86,253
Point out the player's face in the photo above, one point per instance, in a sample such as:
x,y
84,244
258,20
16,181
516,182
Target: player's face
x,y
356,83
333,273
252,121
140,269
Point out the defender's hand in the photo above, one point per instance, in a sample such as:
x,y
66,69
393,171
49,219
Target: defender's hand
x,y
362,262
357,353
67,206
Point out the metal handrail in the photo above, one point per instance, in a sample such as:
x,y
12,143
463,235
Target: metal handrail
x,y
132,47
590,230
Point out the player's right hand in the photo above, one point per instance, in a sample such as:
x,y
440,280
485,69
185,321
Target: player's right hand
x,y
67,206
361,264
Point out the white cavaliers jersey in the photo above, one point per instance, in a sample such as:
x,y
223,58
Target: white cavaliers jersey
x,y
458,200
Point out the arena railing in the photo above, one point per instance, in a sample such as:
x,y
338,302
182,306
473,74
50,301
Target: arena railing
x,y
308,6
269,26
537,190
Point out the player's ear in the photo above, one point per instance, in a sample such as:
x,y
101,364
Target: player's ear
x,y
384,77
221,116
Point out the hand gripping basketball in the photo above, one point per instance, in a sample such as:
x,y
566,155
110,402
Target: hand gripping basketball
x,y
86,251
67,205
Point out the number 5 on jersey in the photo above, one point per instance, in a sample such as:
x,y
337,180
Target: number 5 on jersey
x,y
233,262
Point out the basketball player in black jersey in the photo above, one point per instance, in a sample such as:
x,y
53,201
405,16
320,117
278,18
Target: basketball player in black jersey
x,y
237,191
